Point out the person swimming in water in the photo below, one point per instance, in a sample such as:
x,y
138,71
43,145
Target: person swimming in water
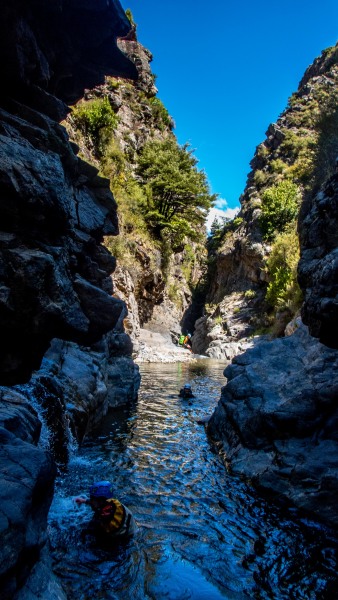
x,y
186,391
111,518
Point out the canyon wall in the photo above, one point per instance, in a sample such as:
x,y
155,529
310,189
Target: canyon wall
x,y
276,421
297,156
63,345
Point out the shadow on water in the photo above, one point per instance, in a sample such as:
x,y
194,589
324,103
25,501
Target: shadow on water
x,y
202,534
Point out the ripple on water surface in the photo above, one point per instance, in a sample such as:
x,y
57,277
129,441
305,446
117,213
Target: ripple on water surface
x,y
202,534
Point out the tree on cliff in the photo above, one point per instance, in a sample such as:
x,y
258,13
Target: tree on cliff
x,y
178,194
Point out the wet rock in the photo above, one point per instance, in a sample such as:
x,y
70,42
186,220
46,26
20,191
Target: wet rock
x,y
26,490
276,421
77,385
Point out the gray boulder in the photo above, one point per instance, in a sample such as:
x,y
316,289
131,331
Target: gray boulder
x,y
277,419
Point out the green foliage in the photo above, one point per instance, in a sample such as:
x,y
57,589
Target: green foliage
x,y
260,178
189,261
293,143
174,294
178,195
130,17
283,290
160,114
278,166
262,151
236,223
219,231
96,119
113,163
250,294
280,206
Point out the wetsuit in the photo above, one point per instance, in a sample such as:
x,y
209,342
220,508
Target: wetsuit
x,y
186,393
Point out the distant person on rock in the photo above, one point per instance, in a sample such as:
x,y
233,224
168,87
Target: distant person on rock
x,y
185,341
111,518
186,391
181,340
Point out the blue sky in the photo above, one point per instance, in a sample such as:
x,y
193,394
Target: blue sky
x,y
225,71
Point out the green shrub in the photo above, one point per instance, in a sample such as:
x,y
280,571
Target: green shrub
x,y
280,206
283,290
130,17
236,222
113,163
278,165
260,178
262,151
93,117
160,114
249,294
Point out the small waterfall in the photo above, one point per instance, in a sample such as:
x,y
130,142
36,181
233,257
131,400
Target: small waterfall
x,y
26,390
44,395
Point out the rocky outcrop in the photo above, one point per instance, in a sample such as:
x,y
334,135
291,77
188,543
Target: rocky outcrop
x,y
152,286
26,490
300,147
55,273
227,328
276,422
54,50
55,209
318,266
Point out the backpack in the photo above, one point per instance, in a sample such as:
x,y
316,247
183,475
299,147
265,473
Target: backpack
x,y
112,516
181,340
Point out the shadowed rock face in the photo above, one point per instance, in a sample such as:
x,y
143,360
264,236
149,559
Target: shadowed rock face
x,y
54,273
55,210
61,46
318,266
277,420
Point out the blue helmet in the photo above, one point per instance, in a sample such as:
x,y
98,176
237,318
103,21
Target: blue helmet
x,y
101,489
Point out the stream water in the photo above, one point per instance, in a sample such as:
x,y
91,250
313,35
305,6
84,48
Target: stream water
x,y
202,534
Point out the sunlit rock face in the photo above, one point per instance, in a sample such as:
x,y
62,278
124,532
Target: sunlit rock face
x,y
276,421
55,209
318,266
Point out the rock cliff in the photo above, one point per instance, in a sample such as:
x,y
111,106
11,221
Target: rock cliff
x,y
318,265
155,280
276,422
298,154
55,273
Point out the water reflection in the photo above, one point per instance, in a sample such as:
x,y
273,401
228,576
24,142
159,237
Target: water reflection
x,y
201,534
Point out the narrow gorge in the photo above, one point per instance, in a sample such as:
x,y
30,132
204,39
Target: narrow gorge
x,y
105,260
